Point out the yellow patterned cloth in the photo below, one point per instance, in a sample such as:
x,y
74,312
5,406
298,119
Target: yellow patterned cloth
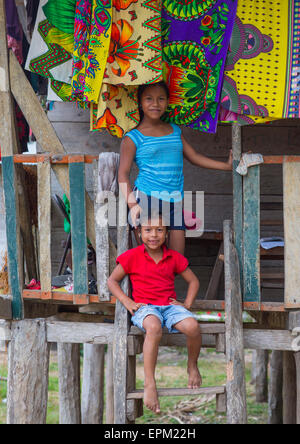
x,y
99,44
261,80
117,110
135,58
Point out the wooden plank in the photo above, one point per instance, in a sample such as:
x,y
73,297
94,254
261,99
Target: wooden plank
x,y
122,323
44,224
92,397
291,180
268,339
139,394
297,361
235,359
78,226
68,356
251,236
12,235
102,238
237,194
289,388
79,332
275,388
28,373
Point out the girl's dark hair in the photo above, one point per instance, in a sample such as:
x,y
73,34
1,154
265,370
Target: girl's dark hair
x,y
143,88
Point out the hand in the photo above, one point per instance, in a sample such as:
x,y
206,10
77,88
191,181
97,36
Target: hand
x,y
175,302
135,213
132,306
230,161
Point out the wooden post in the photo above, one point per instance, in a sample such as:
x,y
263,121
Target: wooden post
x,y
92,398
289,388
237,193
261,380
8,148
236,385
275,388
78,225
121,328
109,380
44,221
251,236
291,182
28,373
102,238
69,383
297,360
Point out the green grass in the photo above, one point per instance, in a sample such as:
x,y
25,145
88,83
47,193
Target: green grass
x,y
171,372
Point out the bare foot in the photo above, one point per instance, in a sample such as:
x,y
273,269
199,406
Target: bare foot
x,y
151,398
195,379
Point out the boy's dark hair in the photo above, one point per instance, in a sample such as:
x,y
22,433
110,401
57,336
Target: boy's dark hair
x,y
143,88
145,218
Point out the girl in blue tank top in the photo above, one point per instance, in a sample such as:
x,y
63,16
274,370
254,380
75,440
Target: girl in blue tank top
x,y
158,149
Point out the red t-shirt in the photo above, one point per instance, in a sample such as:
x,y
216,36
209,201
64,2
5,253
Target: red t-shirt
x,y
152,283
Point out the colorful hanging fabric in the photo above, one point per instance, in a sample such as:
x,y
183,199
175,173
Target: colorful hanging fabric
x,y
82,23
51,49
117,110
262,80
196,36
134,59
135,47
99,43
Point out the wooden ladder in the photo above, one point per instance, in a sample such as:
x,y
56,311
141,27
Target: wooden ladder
x,y
226,338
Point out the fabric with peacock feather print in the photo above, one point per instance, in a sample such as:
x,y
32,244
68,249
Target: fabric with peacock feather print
x,y
195,40
262,74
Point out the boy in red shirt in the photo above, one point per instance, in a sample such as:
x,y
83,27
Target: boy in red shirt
x,y
152,268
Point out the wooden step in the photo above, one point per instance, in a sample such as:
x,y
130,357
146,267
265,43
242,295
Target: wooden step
x,y
139,394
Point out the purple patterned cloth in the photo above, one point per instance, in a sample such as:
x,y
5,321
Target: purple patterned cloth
x,y
196,37
13,25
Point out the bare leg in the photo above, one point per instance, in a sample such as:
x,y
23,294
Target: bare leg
x,y
153,328
177,240
191,329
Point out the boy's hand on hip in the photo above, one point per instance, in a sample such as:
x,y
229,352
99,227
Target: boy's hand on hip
x,y
132,306
175,302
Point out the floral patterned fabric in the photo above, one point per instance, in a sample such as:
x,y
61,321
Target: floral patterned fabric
x,y
196,36
134,59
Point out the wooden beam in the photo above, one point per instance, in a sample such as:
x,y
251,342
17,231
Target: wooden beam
x,y
291,184
139,394
235,359
69,383
78,225
237,194
102,238
28,373
122,323
251,236
44,224
79,332
92,398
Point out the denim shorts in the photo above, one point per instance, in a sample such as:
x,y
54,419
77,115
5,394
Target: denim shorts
x,y
168,315
172,212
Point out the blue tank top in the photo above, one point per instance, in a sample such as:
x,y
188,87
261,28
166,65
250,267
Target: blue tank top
x,y
160,164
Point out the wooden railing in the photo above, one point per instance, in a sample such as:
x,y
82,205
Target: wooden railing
x,y
247,226
105,249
